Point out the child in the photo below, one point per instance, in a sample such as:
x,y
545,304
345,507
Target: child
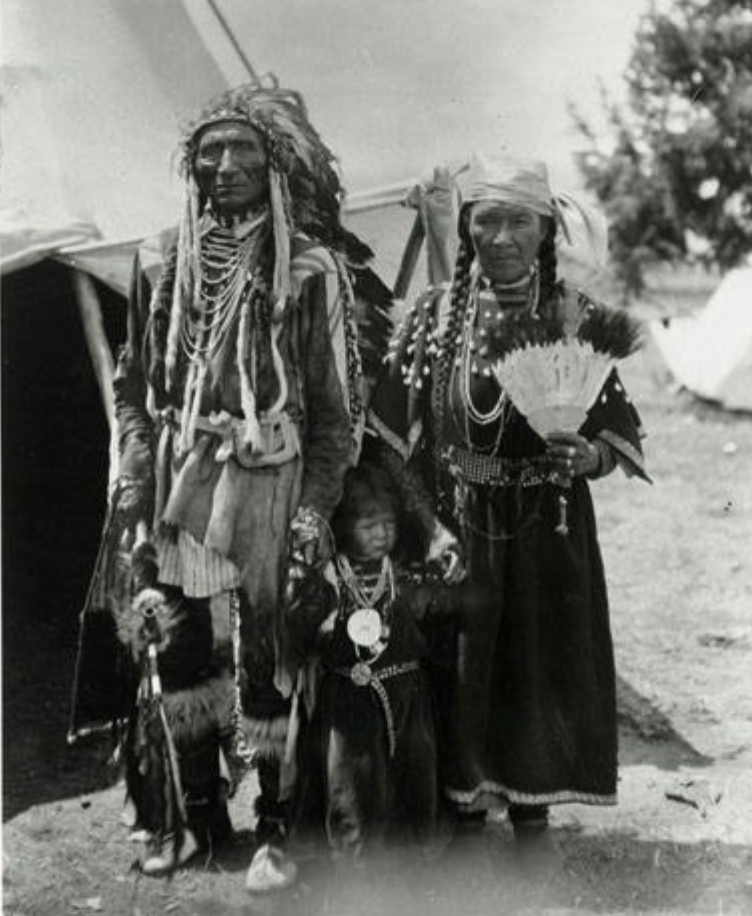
x,y
370,771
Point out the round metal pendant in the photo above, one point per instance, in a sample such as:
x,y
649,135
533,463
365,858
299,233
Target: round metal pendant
x,y
364,627
360,674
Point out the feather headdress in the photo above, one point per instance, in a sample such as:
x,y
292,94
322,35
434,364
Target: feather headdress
x,y
305,196
308,171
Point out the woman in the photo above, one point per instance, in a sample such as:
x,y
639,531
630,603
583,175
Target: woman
x,y
530,718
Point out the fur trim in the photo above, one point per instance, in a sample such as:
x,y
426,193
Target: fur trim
x,y
267,737
202,712
151,616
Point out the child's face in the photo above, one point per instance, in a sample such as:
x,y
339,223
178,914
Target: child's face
x,y
374,535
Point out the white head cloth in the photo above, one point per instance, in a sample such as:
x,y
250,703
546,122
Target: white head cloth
x,y
524,183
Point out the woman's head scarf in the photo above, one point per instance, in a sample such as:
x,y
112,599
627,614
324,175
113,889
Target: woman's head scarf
x,y
524,183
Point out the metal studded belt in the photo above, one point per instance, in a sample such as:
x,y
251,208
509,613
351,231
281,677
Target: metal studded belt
x,y
489,470
362,675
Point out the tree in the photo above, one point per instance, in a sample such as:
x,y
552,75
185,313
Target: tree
x,y
675,173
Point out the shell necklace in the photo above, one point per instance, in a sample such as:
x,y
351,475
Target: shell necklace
x,y
225,270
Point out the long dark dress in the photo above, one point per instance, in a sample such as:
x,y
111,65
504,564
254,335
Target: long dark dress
x,y
531,713
369,764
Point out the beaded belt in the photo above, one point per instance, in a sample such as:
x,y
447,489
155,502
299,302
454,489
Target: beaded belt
x,y
491,471
362,675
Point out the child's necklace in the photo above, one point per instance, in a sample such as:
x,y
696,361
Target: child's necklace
x,y
364,625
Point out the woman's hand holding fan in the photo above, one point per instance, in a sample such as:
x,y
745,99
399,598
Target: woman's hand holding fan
x,y
572,454
553,380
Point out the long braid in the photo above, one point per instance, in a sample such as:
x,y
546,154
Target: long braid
x,y
459,296
547,264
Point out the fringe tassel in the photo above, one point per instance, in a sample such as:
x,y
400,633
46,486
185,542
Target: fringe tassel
x,y
279,371
155,784
187,277
252,429
281,284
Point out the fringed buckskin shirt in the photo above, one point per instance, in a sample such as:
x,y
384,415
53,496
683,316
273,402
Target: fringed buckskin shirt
x,y
202,499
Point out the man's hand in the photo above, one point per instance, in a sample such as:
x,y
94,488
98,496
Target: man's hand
x,y
309,538
133,504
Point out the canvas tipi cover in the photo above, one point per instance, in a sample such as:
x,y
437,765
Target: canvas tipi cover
x,y
710,353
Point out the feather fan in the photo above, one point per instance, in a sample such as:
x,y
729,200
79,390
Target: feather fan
x,y
553,379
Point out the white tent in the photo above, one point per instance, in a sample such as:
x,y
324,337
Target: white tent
x,y
93,96
710,353
93,92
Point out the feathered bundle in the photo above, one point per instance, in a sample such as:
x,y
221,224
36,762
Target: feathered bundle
x,y
152,770
158,616
176,706
554,379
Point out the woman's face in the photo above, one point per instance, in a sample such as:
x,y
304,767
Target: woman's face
x,y
506,239
374,535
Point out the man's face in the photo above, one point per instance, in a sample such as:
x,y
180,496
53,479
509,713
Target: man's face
x,y
506,239
231,167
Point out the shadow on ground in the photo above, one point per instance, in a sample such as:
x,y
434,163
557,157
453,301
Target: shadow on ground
x,y
40,767
487,876
647,736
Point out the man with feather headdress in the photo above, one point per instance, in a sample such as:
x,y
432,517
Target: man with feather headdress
x,y
240,406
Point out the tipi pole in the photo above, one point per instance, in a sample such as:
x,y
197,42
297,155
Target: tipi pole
x,y
234,42
96,340
409,258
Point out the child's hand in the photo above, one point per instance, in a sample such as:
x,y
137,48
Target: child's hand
x,y
445,551
454,568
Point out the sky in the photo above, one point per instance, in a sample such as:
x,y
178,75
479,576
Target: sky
x,y
94,92
398,86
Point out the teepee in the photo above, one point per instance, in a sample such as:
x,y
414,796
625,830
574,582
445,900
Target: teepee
x,y
710,353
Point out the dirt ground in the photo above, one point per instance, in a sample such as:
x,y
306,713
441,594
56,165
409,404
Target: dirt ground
x,y
677,556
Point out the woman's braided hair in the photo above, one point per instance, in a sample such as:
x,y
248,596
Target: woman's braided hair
x,y
459,297
547,263
460,294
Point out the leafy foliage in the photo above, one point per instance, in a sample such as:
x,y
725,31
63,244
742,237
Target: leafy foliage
x,y
675,172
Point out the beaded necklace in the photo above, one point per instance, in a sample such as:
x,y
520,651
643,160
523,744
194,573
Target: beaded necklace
x,y
225,261
225,271
506,294
362,598
367,628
